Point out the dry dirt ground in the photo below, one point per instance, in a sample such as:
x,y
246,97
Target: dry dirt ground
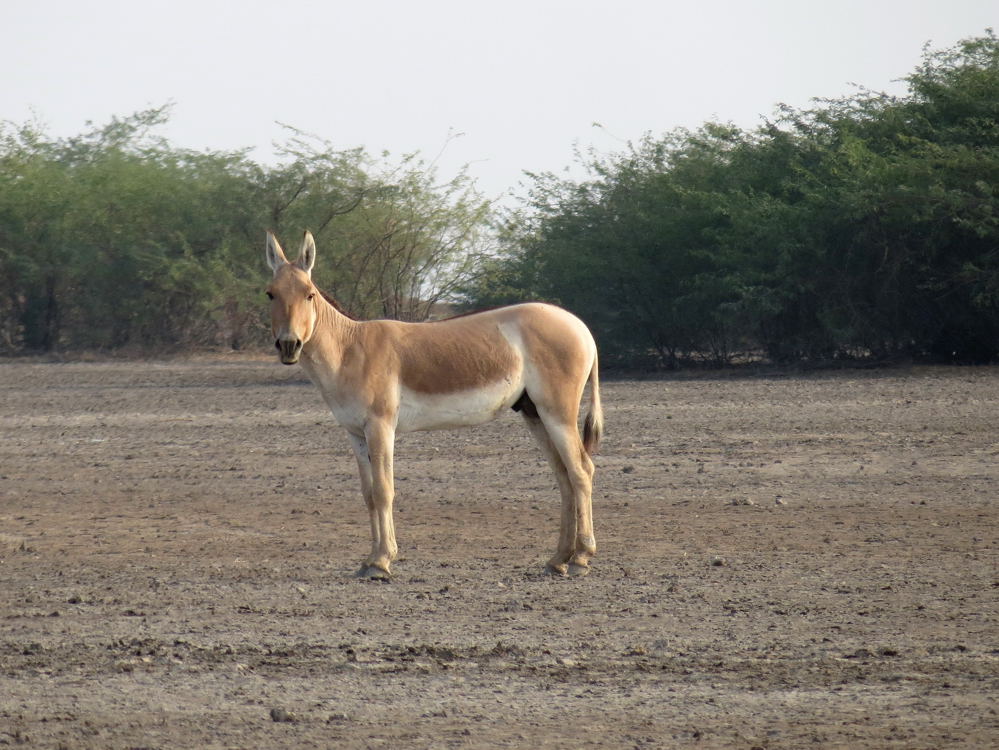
x,y
784,562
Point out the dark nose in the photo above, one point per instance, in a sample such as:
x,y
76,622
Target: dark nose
x,y
289,349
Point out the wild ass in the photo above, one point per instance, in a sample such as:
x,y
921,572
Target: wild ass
x,y
380,377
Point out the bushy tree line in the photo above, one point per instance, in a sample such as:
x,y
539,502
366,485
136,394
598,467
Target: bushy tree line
x,y
117,239
863,227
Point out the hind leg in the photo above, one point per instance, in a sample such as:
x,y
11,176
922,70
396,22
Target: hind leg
x,y
577,502
559,564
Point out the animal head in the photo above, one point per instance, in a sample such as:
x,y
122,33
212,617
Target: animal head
x,y
293,297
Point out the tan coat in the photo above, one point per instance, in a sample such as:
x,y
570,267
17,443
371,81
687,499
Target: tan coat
x,y
380,377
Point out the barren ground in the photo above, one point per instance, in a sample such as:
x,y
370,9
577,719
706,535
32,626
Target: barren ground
x,y
784,562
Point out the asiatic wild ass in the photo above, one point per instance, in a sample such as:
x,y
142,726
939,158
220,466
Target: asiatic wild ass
x,y
380,377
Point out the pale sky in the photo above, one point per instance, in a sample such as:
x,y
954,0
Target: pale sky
x,y
522,81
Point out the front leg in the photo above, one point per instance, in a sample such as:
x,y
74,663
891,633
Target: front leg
x,y
374,453
360,446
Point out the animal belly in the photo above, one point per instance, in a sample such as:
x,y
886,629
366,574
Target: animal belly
x,y
441,411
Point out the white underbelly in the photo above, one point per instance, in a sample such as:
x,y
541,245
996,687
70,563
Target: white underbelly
x,y
441,411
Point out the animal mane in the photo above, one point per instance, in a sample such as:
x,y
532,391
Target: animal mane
x,y
336,305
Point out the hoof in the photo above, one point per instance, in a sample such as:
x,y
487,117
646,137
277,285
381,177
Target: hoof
x,y
578,571
558,571
374,573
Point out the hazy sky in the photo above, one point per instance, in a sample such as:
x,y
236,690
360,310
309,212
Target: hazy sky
x,y
523,81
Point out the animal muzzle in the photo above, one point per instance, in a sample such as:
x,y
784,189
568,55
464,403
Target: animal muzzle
x,y
289,350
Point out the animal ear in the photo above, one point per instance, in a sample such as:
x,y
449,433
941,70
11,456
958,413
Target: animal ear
x,y
275,255
307,258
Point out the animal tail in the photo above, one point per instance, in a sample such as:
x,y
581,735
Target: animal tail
x,y
593,426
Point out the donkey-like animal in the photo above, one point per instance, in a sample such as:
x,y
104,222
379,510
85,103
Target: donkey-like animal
x,y
380,377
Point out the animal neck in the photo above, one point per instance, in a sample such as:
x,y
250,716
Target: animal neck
x,y
332,335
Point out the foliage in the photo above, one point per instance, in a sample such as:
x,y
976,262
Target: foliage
x,y
115,239
398,242
866,226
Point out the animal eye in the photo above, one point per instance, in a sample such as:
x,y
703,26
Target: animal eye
x,y
311,296
269,295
